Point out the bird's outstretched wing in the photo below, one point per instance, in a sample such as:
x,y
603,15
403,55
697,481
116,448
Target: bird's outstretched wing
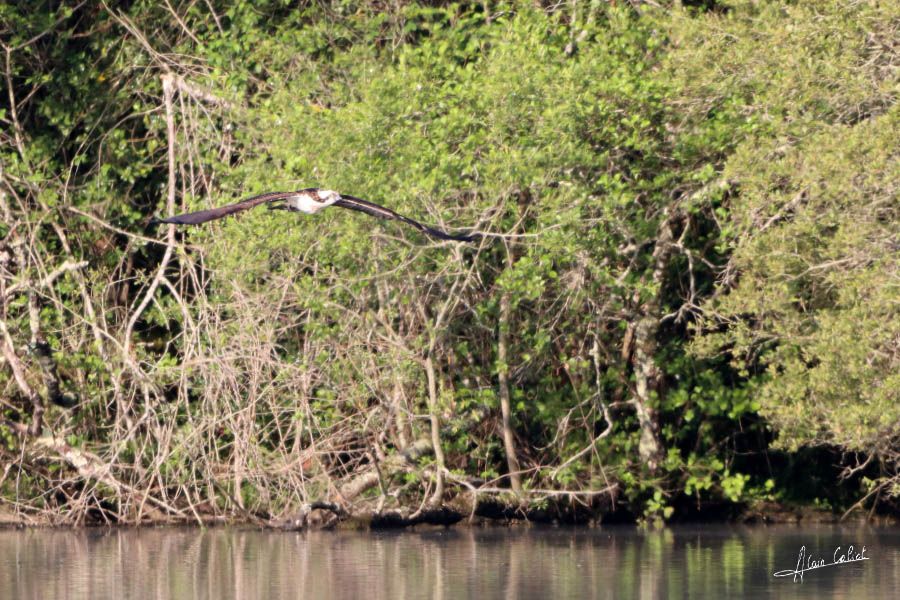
x,y
202,216
381,212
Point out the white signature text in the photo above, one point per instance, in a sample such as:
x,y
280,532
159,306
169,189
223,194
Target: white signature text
x,y
809,563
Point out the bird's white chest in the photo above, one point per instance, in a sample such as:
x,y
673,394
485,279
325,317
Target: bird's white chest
x,y
306,204
310,204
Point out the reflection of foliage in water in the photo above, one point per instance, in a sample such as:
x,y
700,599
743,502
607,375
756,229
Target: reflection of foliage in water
x,y
534,563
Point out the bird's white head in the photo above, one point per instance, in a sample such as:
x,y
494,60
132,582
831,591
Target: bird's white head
x,y
328,197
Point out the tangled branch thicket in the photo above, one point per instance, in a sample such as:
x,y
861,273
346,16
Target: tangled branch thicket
x,y
670,255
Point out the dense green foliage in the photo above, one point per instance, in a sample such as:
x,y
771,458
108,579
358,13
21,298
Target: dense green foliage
x,y
690,278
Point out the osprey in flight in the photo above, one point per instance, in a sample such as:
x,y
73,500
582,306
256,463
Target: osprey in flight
x,y
311,201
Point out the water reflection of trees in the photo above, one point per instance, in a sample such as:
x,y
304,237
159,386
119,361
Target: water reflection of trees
x,y
517,563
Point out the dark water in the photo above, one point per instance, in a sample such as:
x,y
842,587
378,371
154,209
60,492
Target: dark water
x,y
708,561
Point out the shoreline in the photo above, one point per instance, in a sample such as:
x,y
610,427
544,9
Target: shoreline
x,y
448,516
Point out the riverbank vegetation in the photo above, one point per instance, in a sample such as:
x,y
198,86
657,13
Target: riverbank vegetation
x,y
686,305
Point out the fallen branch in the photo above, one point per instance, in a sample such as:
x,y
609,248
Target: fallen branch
x,y
527,507
91,467
394,463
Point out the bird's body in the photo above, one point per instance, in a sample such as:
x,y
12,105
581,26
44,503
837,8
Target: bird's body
x,y
310,201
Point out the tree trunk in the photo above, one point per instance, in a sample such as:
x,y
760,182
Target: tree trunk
x,y
647,374
438,496
509,443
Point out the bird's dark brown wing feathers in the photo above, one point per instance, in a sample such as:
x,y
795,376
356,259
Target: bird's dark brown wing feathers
x,y
202,216
381,212
351,202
